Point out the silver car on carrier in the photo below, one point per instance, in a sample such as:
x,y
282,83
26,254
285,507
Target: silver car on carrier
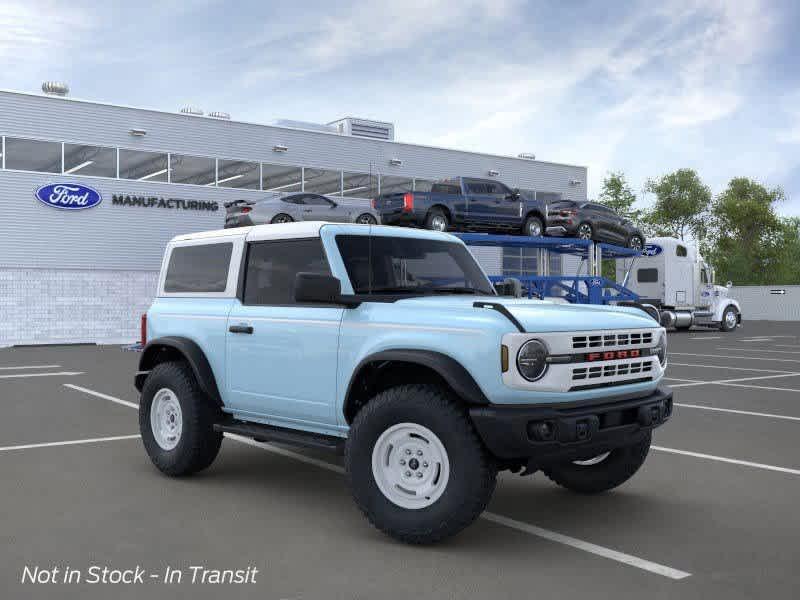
x,y
300,206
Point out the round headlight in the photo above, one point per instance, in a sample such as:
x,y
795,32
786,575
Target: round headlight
x,y
661,349
532,360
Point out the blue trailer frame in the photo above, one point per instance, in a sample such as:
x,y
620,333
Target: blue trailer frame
x,y
576,289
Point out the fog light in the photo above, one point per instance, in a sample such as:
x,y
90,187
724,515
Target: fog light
x,y
543,431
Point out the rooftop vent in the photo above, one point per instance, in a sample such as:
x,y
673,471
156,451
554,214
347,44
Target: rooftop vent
x,y
192,110
55,88
216,114
376,130
527,155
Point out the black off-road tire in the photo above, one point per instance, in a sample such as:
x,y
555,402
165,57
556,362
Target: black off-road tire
x,y
199,444
436,213
530,222
620,465
473,471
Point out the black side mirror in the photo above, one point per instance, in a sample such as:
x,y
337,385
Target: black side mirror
x,y
319,288
514,195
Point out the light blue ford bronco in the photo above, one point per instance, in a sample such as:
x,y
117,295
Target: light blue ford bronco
x,y
391,346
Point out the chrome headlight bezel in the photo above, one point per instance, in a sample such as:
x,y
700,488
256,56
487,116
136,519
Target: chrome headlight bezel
x,y
542,352
660,349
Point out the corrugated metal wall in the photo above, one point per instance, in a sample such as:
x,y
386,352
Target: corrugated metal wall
x,y
768,303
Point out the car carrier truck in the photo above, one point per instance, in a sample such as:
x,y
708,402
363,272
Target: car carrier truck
x,y
672,276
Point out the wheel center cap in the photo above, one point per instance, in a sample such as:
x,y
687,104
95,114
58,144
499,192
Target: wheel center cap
x,y
413,464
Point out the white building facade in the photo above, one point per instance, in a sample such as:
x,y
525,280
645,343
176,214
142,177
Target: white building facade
x,y
71,276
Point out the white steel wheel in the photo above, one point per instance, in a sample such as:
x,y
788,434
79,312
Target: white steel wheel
x,y
166,419
595,460
410,465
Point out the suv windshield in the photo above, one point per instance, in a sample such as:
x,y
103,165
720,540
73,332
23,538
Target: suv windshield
x,y
395,265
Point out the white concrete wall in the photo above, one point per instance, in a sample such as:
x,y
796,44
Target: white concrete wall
x,y
766,303
55,306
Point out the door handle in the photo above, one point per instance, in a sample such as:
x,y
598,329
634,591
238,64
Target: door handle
x,y
241,329
307,210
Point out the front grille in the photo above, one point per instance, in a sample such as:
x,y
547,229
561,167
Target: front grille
x,y
612,340
615,370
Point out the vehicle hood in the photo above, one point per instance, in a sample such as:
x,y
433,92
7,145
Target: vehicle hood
x,y
543,316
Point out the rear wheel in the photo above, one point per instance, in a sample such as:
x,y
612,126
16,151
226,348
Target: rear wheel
x,y
602,472
281,218
730,319
176,420
584,232
366,219
533,227
415,465
437,220
635,242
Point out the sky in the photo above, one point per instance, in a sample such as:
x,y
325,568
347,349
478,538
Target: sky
x,y
639,87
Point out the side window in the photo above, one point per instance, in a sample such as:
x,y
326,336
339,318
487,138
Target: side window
x,y
474,187
647,275
317,200
680,251
703,276
273,266
198,269
294,199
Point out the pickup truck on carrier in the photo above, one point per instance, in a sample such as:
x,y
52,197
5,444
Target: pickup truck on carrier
x,y
390,345
466,203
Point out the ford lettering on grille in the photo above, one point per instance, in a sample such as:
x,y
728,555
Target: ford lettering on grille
x,y
613,355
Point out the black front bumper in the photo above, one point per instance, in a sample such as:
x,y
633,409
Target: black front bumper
x,y
555,433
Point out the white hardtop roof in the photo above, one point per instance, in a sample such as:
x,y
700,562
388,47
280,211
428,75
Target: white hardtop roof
x,y
304,229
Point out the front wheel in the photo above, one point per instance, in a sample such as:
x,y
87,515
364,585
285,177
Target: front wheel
x,y
533,227
176,420
602,472
281,218
730,319
415,465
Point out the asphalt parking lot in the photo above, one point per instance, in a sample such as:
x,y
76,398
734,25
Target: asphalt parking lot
x,y
713,513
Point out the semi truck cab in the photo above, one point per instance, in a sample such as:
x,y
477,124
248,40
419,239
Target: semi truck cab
x,y
674,277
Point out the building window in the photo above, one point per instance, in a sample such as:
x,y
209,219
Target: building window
x,y
238,174
280,178
90,160
519,262
195,170
396,185
360,185
33,155
144,166
323,181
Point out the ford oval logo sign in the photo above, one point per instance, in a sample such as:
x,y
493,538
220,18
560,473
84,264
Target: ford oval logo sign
x,y
68,196
652,250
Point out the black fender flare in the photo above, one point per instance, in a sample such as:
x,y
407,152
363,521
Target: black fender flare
x,y
449,369
186,349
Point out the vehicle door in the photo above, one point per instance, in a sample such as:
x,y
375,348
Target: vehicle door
x,y
319,208
479,202
602,222
504,207
281,356
705,289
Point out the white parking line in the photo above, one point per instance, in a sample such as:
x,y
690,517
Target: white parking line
x,y
733,461
729,367
763,350
560,538
553,536
693,382
710,337
761,387
60,373
30,367
103,396
786,345
738,412
791,360
68,443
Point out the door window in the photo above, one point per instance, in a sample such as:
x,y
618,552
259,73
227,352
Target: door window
x,y
198,269
273,266
476,188
647,275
